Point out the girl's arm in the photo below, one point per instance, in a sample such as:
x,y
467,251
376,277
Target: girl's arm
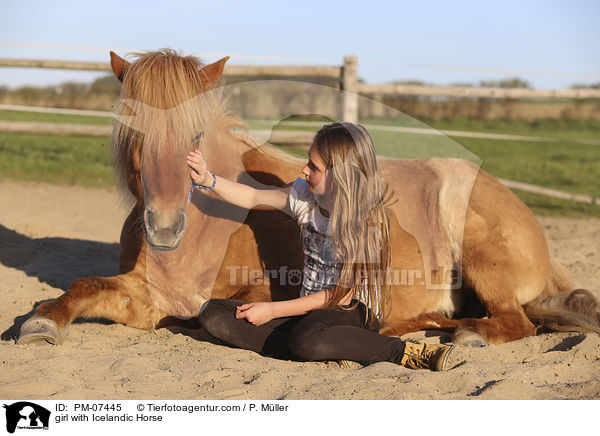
x,y
236,193
260,313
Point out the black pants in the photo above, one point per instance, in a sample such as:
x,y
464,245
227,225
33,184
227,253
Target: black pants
x,y
323,334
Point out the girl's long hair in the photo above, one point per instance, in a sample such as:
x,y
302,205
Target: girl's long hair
x,y
360,226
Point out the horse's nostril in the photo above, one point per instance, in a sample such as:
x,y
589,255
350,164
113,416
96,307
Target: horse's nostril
x,y
148,219
182,222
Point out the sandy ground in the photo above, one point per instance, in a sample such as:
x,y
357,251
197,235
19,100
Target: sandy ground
x,y
52,235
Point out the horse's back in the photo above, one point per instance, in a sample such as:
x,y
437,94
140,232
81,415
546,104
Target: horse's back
x,y
467,218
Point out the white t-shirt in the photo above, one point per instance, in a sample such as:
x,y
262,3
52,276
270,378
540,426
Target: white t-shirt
x,y
321,271
321,267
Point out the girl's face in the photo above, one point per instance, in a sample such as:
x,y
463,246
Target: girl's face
x,y
317,175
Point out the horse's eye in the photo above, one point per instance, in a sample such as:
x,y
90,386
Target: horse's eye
x,y
197,137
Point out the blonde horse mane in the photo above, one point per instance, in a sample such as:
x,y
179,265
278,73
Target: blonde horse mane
x,y
163,104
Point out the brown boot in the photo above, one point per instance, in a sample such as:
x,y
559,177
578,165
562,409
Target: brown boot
x,y
428,356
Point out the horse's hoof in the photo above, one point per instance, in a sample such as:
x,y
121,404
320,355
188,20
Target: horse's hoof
x,y
469,339
38,330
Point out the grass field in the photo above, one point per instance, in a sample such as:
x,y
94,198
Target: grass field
x,y
575,129
558,164
56,159
41,117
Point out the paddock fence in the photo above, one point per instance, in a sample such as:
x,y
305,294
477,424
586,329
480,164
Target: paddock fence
x,y
345,77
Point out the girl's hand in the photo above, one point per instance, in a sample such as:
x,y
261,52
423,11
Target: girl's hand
x,y
255,313
198,172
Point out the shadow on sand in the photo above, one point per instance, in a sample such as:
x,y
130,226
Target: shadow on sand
x,y
55,261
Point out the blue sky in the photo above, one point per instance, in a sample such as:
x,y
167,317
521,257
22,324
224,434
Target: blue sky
x,y
394,40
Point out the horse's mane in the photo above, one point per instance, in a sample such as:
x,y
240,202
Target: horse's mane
x,y
163,104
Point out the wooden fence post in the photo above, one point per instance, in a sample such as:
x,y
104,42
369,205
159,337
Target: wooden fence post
x,y
350,89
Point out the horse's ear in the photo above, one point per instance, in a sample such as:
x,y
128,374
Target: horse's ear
x,y
211,73
118,65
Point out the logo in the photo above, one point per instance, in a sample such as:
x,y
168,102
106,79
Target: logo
x,y
25,415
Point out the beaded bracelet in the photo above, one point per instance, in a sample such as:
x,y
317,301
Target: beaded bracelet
x,y
199,186
194,185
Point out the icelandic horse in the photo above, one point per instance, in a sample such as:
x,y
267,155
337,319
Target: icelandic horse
x,y
175,254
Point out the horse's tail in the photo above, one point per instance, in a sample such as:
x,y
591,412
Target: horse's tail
x,y
562,308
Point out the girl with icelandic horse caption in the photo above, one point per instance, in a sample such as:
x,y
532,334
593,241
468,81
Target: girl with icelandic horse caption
x,y
345,231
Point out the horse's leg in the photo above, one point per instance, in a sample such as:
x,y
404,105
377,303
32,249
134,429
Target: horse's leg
x,y
506,326
123,299
498,278
412,306
506,262
427,321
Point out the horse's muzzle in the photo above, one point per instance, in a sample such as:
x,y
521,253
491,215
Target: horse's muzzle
x,y
164,233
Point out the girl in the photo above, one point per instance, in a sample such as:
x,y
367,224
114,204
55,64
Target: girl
x,y
339,206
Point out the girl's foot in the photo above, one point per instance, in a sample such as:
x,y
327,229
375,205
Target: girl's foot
x,y
429,356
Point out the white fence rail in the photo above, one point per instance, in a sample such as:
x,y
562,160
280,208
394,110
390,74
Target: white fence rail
x,y
347,77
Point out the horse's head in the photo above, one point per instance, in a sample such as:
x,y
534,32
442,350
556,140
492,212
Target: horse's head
x,y
164,112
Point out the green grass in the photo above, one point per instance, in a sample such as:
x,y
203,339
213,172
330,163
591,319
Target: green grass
x,y
576,129
297,152
559,164
390,144
56,159
552,165
41,117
